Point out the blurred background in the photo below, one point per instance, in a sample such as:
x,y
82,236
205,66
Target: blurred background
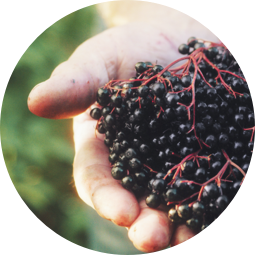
x,y
39,152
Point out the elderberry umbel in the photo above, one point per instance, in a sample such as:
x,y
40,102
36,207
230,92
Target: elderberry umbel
x,y
181,136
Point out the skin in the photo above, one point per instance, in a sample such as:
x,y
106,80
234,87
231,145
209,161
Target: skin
x,y
70,93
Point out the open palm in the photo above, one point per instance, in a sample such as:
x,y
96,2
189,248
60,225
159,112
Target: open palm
x,y
70,92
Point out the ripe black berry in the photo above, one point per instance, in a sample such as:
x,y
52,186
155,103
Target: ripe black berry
x,y
153,200
95,113
186,141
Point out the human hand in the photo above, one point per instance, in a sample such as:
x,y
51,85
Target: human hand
x,y
71,91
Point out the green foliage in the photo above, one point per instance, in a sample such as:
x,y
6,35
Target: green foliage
x,y
39,152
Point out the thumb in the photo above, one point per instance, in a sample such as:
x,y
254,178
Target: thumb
x,y
72,86
110,55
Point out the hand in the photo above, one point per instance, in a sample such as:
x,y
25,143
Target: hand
x,y
70,92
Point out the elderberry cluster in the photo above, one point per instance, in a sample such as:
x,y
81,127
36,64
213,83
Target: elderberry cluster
x,y
180,136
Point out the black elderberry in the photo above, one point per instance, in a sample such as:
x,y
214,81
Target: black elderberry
x,y
157,68
120,110
95,113
200,175
116,100
200,127
174,80
166,74
123,159
223,139
198,209
162,140
183,49
141,177
158,89
144,149
215,168
121,136
118,173
154,124
213,110
217,156
216,128
192,41
153,200
128,182
171,99
211,52
211,191
110,119
199,45
168,114
126,94
185,97
159,101
173,216
105,111
101,129
177,87
239,119
141,67
189,167
158,185
201,108
143,91
103,94
207,120
186,80
237,147
250,119
135,164
124,145
246,158
184,211
236,186
232,131
139,114
113,157
130,153
184,128
230,99
183,186
211,94
181,111
250,146
194,223
220,89
221,203
185,151
108,142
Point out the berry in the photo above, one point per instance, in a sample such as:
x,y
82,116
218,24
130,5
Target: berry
x,y
118,173
128,182
140,67
153,200
183,49
173,216
172,136
184,211
171,195
95,113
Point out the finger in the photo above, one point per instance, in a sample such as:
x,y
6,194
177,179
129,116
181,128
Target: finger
x,y
110,55
182,233
95,185
151,231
